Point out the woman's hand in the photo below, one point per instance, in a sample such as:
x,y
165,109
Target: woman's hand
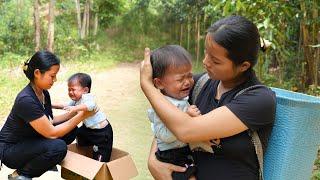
x,y
86,114
160,170
146,69
70,109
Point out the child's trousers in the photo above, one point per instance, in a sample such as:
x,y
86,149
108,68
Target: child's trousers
x,y
101,139
181,157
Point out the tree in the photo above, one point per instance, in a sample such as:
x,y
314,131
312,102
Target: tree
x,y
85,20
50,37
77,2
37,25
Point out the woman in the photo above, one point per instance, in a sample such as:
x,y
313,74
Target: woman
x,y
29,142
231,51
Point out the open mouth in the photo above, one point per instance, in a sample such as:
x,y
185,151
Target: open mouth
x,y
186,90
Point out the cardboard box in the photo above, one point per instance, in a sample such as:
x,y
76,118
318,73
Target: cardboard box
x,y
78,165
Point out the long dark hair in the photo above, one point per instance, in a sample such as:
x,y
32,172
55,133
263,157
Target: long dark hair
x,y
42,60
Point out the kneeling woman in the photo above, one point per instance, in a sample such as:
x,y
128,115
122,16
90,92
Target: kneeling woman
x,y
29,141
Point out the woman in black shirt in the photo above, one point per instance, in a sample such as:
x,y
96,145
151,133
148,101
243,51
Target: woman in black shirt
x,y
231,51
29,142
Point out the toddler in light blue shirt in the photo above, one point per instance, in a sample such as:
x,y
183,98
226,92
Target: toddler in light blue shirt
x,y
172,75
96,130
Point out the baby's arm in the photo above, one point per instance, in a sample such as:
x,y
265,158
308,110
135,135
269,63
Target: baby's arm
x,y
88,104
193,111
73,109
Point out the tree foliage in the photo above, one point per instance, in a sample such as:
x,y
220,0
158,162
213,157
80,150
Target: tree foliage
x,y
292,62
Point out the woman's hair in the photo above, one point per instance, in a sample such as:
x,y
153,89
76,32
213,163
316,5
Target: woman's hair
x,y
42,60
168,56
239,36
83,79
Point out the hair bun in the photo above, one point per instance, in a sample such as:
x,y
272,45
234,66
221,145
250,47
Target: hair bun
x,y
264,44
25,65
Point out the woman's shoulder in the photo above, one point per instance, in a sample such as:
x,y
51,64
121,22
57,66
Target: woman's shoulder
x,y
197,76
254,88
259,91
25,92
257,95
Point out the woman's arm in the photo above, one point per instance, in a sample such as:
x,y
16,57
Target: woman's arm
x,y
63,117
218,123
57,106
160,170
43,126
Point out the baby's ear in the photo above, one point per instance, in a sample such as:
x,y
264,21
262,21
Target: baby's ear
x,y
157,83
86,89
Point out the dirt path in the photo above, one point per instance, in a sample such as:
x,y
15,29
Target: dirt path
x,y
118,95
110,87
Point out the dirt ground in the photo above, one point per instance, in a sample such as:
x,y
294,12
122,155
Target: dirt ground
x,y
114,88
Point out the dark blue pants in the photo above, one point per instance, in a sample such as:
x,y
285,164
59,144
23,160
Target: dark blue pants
x,y
33,157
102,139
181,157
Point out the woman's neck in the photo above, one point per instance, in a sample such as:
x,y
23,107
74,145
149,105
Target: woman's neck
x,y
225,86
37,90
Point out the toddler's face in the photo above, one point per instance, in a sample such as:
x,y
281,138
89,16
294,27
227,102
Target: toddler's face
x,y
75,90
177,82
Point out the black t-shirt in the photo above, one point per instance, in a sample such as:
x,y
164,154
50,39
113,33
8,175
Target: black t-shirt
x,y
234,157
26,108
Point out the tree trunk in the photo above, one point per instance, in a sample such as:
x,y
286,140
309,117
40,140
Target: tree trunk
x,y
37,25
301,60
177,27
195,36
188,34
315,32
78,16
318,59
181,33
50,41
84,21
310,79
198,40
88,17
96,24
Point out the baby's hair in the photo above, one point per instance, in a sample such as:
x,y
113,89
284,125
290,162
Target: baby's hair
x,y
168,56
83,79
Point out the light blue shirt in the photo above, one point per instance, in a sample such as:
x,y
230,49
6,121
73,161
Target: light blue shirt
x,y
165,139
92,121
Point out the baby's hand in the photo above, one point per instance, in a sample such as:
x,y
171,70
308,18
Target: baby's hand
x,y
193,111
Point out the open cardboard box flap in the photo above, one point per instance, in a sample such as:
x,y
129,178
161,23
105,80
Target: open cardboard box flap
x,y
122,168
81,165
121,165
